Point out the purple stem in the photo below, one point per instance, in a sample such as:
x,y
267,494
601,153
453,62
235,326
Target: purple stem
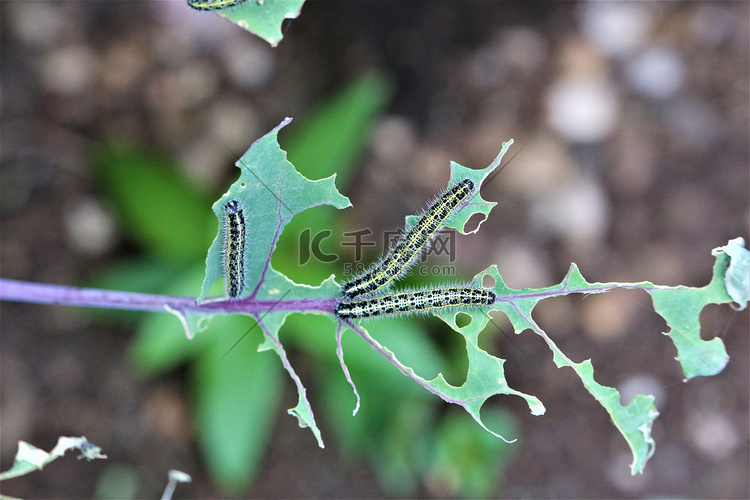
x,y
42,293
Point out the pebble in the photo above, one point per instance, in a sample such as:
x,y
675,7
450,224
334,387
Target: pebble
x,y
642,383
609,316
657,72
394,139
90,228
619,476
522,264
583,110
249,62
617,28
232,120
712,433
38,23
578,212
69,70
694,124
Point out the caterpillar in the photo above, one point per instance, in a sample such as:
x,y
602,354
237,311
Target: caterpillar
x,y
411,302
213,4
234,233
401,256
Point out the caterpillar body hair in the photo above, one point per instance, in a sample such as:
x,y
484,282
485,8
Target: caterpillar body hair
x,y
213,4
235,235
405,252
414,302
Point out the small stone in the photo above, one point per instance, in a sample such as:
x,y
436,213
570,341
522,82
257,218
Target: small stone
x,y
583,110
657,72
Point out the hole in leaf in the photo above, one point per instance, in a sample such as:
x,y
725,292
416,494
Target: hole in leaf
x,y
473,223
714,322
202,323
452,347
497,418
491,336
306,250
463,320
488,281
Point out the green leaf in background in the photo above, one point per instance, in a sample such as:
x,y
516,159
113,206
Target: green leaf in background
x,y
118,482
219,370
160,343
331,139
333,136
466,462
158,207
392,426
381,386
405,433
237,394
139,275
401,429
263,17
143,275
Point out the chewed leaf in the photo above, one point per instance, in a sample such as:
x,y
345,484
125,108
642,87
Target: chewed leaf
x,y
681,307
263,17
634,420
30,458
269,193
278,288
485,375
737,278
475,205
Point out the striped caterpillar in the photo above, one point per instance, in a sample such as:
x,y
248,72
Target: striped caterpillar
x,y
400,257
213,4
414,302
235,234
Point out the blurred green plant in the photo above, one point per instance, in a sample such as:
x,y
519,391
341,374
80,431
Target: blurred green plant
x,y
236,397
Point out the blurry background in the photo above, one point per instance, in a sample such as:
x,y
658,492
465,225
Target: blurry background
x,y
631,127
